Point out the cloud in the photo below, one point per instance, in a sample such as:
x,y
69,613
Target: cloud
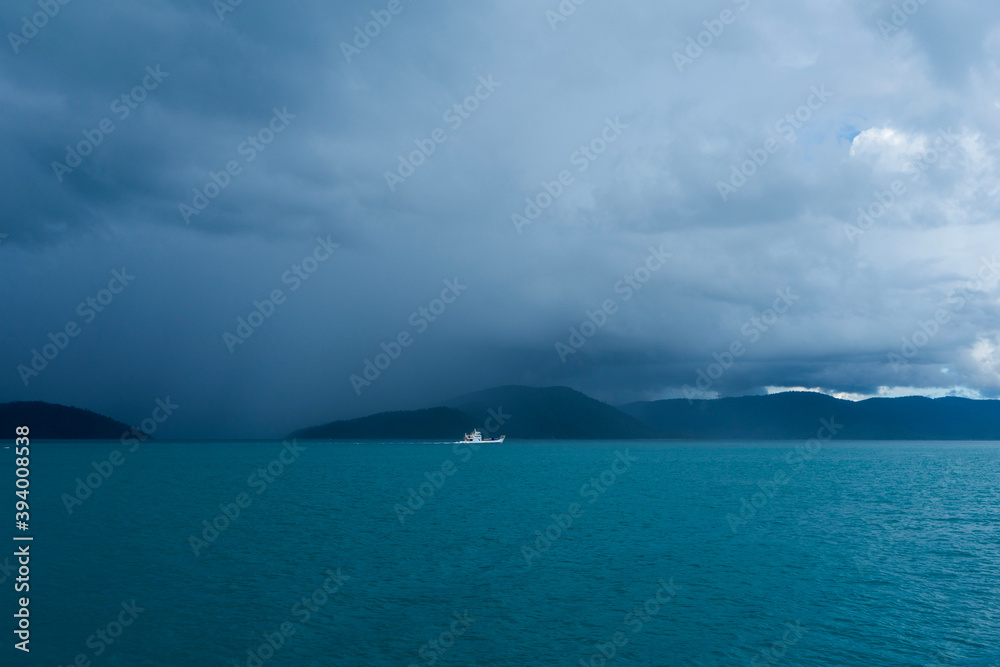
x,y
892,150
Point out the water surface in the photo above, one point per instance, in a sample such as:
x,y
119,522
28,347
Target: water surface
x,y
863,553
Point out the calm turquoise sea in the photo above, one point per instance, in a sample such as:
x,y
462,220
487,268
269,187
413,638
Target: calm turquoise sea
x,y
526,553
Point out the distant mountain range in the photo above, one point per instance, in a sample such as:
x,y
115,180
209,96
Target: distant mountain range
x,y
796,415
517,412
562,413
48,421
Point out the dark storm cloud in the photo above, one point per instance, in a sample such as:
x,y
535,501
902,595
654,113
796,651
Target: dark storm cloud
x,y
577,146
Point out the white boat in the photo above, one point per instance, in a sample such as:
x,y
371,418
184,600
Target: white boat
x,y
477,437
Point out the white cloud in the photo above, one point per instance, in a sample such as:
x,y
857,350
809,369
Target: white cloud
x,y
888,148
886,392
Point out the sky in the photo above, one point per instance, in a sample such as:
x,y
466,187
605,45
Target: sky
x,y
274,215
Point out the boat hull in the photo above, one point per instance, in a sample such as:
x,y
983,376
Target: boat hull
x,y
482,441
